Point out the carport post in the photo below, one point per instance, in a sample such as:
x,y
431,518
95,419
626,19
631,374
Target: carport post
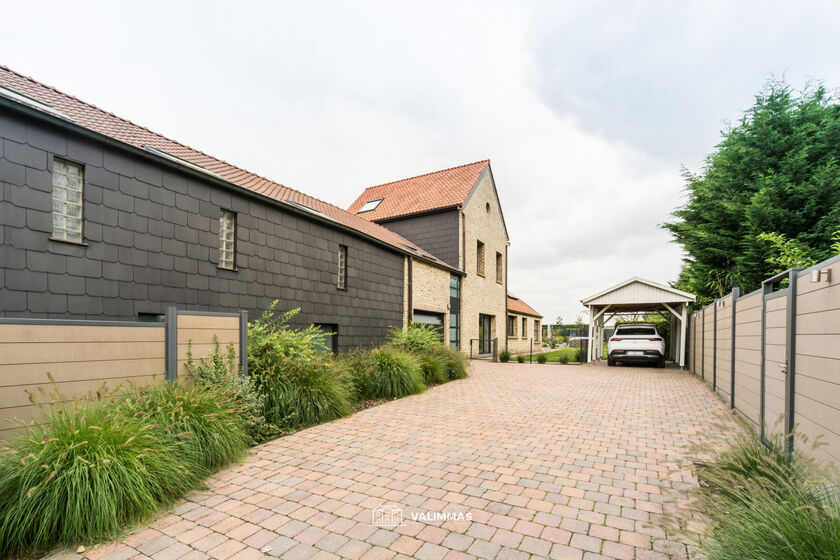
x,y
683,320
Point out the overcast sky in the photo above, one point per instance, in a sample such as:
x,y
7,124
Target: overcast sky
x,y
587,110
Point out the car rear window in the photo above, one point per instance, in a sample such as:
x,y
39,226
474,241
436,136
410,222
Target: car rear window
x,y
635,331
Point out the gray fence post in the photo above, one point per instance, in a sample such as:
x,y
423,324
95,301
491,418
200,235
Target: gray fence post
x,y
243,342
714,344
703,347
790,358
736,292
171,343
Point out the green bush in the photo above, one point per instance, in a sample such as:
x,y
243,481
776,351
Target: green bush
x,y
385,373
541,358
456,363
303,393
85,474
300,385
433,366
209,418
504,356
761,503
221,370
415,337
563,359
520,359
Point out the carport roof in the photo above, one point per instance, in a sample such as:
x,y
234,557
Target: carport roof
x,y
638,294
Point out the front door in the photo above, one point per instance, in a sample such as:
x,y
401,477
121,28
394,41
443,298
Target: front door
x,y
484,333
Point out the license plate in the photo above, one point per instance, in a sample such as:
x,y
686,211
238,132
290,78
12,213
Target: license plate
x,y
635,353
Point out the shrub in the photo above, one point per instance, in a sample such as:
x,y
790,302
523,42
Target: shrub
x,y
386,373
221,370
303,393
520,359
541,358
761,503
433,366
415,337
300,385
84,475
209,418
564,358
504,356
456,363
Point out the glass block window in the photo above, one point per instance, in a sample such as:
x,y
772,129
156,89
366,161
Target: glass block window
x,y
227,239
342,267
68,183
479,255
500,274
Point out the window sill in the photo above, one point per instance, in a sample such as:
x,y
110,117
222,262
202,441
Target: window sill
x,y
340,288
479,274
234,269
68,242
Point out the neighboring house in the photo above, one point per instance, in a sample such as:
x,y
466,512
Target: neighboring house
x,y
105,219
524,327
454,214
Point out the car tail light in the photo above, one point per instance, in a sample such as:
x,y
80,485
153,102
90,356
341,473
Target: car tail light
x,y
615,339
655,339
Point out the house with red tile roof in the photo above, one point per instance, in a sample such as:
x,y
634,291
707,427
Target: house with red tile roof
x,y
524,327
456,215
106,219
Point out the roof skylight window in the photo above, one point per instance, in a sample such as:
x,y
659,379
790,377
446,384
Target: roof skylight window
x,y
370,205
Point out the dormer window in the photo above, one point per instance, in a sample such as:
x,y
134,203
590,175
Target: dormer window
x,y
370,205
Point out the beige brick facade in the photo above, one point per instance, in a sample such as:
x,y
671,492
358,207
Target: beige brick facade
x,y
430,291
482,221
523,341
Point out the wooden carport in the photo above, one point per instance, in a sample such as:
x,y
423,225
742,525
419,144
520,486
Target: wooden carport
x,y
638,295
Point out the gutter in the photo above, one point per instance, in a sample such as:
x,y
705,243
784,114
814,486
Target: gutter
x,y
204,176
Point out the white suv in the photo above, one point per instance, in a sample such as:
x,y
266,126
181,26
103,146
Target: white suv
x,y
638,343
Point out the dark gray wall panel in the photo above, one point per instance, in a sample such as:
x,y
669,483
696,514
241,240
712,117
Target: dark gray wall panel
x,y
152,241
436,233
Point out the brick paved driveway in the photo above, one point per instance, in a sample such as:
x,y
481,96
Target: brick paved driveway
x,y
549,461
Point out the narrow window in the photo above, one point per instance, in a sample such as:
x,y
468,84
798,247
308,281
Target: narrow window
x,y
227,239
511,326
327,337
342,267
67,195
524,327
500,274
454,312
537,330
479,255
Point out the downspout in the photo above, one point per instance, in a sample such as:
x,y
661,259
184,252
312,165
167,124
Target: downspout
x,y
410,313
504,322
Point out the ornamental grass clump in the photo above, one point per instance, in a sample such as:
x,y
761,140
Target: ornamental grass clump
x,y
84,474
433,366
456,363
415,337
385,373
208,418
762,503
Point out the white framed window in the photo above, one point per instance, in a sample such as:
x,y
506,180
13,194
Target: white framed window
x,y
227,239
342,267
68,181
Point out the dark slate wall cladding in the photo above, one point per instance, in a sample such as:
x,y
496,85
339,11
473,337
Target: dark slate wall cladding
x,y
152,237
436,233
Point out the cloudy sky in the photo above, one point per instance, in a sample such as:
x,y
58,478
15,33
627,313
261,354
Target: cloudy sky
x,y
587,110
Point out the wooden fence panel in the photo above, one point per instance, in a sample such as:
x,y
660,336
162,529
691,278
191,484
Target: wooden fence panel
x,y
708,332
817,381
82,360
774,361
197,331
723,363
748,357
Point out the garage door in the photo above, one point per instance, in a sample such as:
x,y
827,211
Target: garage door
x,y
429,318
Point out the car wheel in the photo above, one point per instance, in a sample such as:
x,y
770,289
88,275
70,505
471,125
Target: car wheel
x,y
610,362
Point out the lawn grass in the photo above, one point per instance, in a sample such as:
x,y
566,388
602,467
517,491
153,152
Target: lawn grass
x,y
556,355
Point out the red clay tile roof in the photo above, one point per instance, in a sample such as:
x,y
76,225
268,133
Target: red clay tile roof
x,y
432,191
516,305
91,117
